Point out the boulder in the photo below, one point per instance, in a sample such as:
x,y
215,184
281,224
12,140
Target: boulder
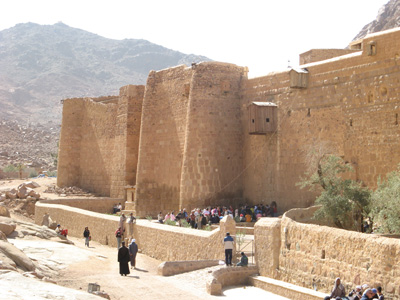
x,y
11,194
7,228
17,256
32,193
6,263
3,236
30,184
7,225
4,211
22,192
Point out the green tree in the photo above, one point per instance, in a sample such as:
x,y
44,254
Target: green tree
x,y
344,202
20,168
10,169
385,204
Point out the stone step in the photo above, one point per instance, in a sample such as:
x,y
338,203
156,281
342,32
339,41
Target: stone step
x,y
285,289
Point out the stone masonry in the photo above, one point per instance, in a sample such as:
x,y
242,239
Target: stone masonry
x,y
184,139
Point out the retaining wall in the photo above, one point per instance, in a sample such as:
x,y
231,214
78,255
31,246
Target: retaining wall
x,y
163,242
312,256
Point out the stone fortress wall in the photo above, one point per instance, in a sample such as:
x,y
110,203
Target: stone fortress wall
x,y
189,145
312,256
98,147
349,108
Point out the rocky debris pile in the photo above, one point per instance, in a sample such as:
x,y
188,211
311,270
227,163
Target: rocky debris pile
x,y
21,200
67,191
34,145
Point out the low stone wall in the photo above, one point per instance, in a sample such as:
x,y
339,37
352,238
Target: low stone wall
x,y
172,243
102,227
169,268
163,242
285,289
227,276
100,205
312,256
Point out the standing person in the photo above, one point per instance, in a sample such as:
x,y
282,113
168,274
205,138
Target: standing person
x,y
121,224
118,235
199,217
133,250
123,259
229,244
192,219
131,221
86,235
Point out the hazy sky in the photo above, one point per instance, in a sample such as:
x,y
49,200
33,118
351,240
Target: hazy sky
x,y
260,34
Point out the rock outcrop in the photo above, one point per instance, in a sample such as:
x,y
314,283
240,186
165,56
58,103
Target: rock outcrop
x,y
388,18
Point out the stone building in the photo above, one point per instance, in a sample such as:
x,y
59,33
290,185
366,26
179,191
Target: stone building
x,y
206,134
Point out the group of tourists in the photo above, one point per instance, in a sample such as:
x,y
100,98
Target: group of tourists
x,y
126,254
199,218
360,292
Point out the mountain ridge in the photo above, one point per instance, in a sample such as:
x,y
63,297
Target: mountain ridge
x,y
42,64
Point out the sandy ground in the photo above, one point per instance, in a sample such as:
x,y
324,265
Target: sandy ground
x,y
143,283
78,266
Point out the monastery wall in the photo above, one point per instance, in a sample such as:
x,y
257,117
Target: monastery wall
x,y
126,143
349,108
68,168
162,141
313,256
213,156
97,146
315,55
99,142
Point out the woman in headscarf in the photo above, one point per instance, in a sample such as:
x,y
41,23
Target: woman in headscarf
x,y
337,291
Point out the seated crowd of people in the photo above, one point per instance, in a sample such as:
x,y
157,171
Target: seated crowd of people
x,y
199,218
360,292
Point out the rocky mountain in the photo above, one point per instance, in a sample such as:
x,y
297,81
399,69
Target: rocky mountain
x,y
388,17
43,64
33,145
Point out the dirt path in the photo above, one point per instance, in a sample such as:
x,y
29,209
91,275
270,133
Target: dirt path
x,y
143,283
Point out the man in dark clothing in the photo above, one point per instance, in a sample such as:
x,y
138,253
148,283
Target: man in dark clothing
x,y
228,245
133,250
380,295
123,259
